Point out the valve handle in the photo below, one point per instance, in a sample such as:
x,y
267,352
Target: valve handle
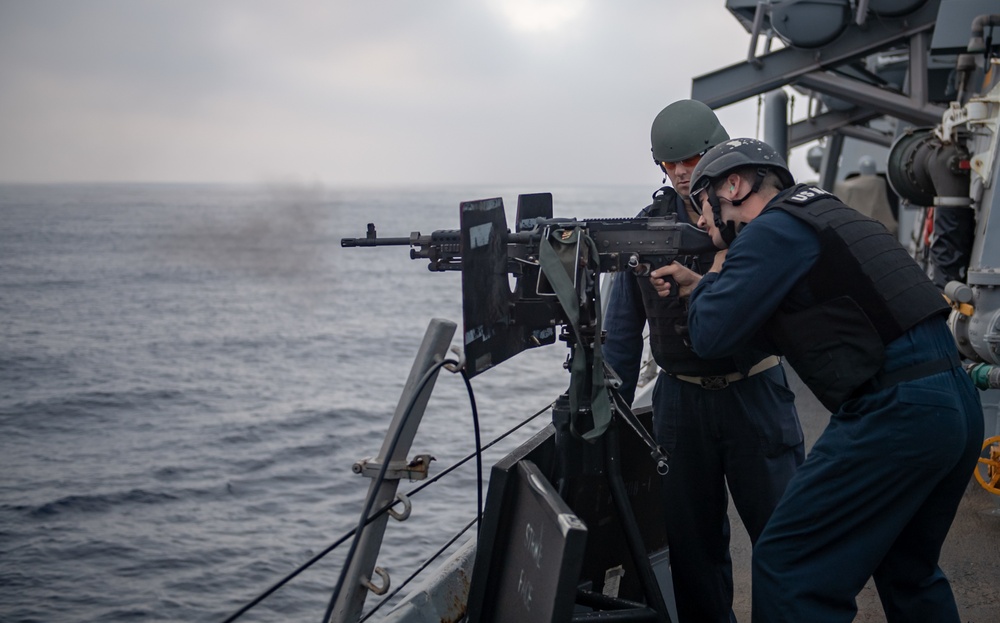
x,y
988,469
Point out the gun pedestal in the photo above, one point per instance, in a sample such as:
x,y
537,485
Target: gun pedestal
x,y
582,462
559,540
603,573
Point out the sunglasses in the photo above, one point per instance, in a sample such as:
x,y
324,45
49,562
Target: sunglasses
x,y
696,204
687,162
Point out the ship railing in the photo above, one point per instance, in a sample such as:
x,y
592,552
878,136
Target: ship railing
x,y
386,469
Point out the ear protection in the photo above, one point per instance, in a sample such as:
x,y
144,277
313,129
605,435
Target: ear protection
x,y
727,229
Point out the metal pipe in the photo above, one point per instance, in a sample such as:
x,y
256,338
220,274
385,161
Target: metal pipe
x,y
920,43
862,15
758,24
979,24
984,376
776,121
831,161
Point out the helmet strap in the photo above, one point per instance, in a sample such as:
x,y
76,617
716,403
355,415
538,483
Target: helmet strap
x,y
761,174
727,229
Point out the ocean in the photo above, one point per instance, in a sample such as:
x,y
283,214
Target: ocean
x,y
188,373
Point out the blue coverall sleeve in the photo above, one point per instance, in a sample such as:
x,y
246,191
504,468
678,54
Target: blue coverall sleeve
x,y
624,321
765,262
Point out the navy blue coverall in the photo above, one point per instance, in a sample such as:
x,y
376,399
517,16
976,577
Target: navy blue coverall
x,y
880,488
746,434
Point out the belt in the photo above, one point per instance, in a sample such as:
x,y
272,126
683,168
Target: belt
x,y
883,380
722,381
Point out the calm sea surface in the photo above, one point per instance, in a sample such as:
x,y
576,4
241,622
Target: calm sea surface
x,y
187,374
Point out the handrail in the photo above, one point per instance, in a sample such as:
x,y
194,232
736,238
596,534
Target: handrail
x,y
381,511
349,595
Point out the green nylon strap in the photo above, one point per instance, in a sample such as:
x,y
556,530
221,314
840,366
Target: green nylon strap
x,y
554,248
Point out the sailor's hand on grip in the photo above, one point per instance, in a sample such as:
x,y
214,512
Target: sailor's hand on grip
x,y
674,278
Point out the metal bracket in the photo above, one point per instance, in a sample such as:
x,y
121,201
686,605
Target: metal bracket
x,y
407,508
785,66
378,590
451,367
416,469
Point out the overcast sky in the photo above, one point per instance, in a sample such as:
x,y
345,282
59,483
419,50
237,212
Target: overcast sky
x,y
351,91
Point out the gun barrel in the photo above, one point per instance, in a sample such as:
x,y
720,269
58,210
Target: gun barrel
x,y
374,242
371,239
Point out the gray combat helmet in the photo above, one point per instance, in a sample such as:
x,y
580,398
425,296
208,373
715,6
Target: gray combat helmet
x,y
735,154
684,129
728,156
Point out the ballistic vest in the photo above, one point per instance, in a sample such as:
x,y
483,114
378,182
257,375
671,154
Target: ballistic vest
x,y
667,317
868,292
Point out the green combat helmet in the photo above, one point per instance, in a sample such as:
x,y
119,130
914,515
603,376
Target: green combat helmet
x,y
684,129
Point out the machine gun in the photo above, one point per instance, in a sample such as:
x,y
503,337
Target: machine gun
x,y
639,244
499,323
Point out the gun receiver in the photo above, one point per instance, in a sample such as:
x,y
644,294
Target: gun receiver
x,y
640,244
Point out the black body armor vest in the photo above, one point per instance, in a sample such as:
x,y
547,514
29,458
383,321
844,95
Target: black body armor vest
x,y
667,317
868,292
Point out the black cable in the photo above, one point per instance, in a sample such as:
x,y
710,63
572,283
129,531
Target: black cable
x,y
417,572
288,578
418,390
479,452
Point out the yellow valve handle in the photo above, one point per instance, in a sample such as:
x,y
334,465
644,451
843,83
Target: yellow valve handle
x,y
988,469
